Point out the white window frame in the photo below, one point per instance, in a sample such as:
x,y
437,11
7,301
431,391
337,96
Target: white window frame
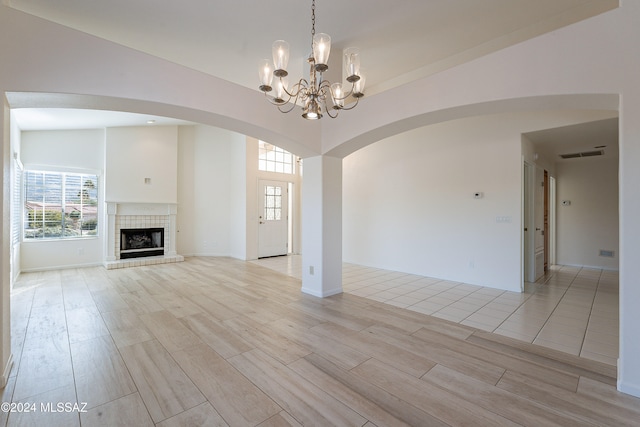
x,y
275,159
80,210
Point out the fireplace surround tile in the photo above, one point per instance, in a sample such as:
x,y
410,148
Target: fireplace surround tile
x,y
140,215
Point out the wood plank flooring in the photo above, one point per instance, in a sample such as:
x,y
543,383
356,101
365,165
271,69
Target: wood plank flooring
x,y
221,342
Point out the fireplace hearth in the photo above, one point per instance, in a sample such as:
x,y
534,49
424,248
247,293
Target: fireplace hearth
x,y
141,242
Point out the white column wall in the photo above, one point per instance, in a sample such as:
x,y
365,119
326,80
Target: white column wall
x,y
6,359
239,223
629,194
322,226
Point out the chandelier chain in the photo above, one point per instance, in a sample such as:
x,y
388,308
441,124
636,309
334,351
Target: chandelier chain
x,y
313,21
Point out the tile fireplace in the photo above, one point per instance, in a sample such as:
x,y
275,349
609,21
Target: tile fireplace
x,y
141,234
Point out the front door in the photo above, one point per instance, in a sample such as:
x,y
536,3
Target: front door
x,y
273,216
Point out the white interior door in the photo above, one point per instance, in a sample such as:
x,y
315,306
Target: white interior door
x,y
539,223
527,205
273,213
552,221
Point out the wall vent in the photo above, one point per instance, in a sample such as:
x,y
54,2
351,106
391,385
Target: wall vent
x,y
582,154
607,253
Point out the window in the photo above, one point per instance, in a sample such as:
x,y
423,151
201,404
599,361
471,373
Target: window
x,y
274,159
60,205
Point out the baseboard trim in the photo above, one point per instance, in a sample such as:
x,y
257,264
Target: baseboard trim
x,y
632,389
7,371
60,267
322,294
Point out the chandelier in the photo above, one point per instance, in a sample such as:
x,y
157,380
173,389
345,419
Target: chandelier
x,y
316,94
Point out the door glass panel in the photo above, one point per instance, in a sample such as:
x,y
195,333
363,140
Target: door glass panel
x,y
272,203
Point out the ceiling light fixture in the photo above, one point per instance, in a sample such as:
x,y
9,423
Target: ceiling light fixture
x,y
316,93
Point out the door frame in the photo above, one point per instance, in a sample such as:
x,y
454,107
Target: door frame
x,y
529,183
528,223
552,220
288,186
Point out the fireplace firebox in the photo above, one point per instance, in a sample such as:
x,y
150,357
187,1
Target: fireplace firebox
x,y
141,242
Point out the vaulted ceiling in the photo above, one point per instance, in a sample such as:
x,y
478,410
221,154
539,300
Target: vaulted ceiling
x,y
400,40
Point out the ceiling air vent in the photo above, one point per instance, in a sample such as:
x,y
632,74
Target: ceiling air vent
x,y
583,154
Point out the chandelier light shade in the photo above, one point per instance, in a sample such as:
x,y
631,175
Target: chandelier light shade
x,y
321,50
281,90
315,94
358,87
280,50
352,61
266,76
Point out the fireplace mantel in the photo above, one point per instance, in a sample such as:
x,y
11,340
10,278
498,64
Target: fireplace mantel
x,y
140,215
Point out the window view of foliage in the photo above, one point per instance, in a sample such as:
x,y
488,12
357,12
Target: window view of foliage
x,y
60,205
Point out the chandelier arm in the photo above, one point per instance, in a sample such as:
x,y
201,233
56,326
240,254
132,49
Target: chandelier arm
x,y
293,105
301,85
272,102
326,109
324,85
352,106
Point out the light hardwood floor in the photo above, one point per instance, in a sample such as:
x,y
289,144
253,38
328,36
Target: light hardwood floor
x,y
216,341
571,309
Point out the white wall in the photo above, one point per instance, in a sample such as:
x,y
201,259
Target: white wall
x,y
409,203
74,149
136,153
15,148
81,150
408,200
5,293
205,209
532,156
238,212
590,223
185,230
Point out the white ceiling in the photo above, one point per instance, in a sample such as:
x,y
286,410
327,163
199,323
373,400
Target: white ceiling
x,y
65,118
400,40
591,136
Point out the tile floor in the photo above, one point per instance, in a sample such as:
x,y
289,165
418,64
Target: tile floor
x,y
571,309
